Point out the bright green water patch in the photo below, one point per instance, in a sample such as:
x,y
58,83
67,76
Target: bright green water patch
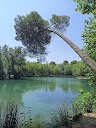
x,y
42,95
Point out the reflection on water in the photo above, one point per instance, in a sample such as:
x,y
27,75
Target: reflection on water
x,y
41,94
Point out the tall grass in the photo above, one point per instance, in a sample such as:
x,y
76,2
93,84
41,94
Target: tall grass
x,y
61,118
10,117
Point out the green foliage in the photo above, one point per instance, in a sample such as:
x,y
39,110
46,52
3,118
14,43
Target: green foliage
x,y
5,60
27,28
53,69
9,115
19,61
73,62
67,69
32,31
33,123
86,6
61,69
61,118
89,33
86,102
12,61
80,69
65,62
35,69
52,63
92,77
89,38
1,65
13,65
60,22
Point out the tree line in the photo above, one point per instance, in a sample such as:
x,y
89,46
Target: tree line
x,y
13,64
75,68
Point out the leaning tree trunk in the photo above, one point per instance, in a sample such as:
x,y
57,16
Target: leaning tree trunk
x,y
86,58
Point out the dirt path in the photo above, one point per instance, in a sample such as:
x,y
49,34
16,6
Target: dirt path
x,y
87,120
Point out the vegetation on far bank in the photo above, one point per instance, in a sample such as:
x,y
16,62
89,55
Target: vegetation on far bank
x,y
14,65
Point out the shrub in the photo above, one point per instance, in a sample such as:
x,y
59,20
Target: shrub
x,y
61,118
86,102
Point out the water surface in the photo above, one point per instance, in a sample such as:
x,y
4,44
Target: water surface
x,y
42,95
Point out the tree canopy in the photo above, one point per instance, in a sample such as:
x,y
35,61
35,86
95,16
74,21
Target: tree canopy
x,y
60,22
29,30
12,61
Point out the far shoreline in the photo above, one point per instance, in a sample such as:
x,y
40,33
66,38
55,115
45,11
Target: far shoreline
x,y
59,76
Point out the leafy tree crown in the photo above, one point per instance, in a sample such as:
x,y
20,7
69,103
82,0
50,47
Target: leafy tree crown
x,y
32,31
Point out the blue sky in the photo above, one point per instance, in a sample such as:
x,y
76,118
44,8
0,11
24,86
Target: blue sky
x,y
58,49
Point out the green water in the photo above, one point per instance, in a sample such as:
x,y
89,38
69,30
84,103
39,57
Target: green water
x,y
42,95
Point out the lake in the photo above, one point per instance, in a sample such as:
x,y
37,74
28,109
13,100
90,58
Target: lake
x,y
42,95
